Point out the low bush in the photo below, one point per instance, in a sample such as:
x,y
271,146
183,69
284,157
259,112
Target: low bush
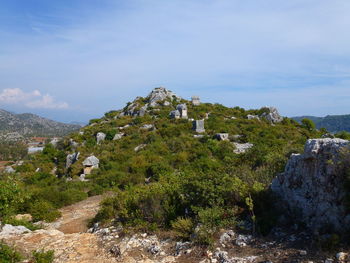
x,y
9,255
43,257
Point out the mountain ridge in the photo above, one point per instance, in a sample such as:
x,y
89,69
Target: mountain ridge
x,y
333,123
28,124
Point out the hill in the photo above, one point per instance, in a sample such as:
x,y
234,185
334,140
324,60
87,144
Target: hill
x,y
333,123
13,126
167,164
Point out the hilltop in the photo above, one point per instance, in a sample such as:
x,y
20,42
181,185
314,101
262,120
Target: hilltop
x,y
14,126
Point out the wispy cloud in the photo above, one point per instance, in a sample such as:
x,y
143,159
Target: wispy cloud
x,y
107,54
33,99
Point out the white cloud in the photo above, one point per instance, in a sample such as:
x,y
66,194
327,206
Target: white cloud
x,y
33,99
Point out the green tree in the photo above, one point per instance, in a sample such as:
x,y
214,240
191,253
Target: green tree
x,y
308,124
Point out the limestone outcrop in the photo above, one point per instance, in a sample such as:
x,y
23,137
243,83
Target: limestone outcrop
x,y
272,115
312,184
158,96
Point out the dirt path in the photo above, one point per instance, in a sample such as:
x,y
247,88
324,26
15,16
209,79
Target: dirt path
x,y
67,236
76,217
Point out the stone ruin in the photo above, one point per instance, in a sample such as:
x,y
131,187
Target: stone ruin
x,y
90,163
198,126
175,114
182,108
195,100
312,185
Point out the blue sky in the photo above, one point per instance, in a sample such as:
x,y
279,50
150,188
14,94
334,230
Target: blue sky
x,y
76,59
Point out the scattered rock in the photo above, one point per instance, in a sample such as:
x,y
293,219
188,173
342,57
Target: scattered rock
x,y
253,117
242,147
139,147
100,136
115,251
118,136
9,170
221,136
8,230
243,240
147,127
341,256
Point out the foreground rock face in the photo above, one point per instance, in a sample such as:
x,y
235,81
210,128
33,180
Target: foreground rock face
x,y
312,184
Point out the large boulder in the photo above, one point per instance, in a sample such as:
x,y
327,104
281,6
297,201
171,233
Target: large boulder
x,y
100,136
312,185
272,115
72,158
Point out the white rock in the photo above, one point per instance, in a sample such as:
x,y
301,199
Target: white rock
x,y
341,256
8,230
312,184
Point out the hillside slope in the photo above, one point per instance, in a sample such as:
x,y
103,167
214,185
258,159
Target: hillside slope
x,y
333,123
32,125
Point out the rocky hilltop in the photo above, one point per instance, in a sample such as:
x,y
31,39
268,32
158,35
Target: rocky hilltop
x,y
14,126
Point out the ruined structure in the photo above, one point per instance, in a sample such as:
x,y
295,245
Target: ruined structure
x,y
195,100
90,163
198,126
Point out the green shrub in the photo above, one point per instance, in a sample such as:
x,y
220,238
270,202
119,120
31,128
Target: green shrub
x,y
43,210
11,196
43,257
183,227
9,255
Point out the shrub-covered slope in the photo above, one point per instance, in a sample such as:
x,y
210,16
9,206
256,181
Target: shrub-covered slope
x,y
176,179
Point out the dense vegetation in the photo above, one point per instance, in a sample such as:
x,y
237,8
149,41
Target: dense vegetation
x,y
176,182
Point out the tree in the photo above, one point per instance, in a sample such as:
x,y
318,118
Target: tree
x,y
10,196
308,124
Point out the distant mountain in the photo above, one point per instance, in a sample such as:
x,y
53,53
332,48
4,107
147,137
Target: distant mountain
x,y
28,124
80,123
333,123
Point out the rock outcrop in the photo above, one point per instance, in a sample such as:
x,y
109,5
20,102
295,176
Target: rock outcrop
x,y
72,158
158,96
100,136
312,185
272,115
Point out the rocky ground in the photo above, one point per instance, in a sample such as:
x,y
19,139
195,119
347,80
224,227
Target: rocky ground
x,y
73,243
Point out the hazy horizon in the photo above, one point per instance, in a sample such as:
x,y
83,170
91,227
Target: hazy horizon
x,y
74,60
